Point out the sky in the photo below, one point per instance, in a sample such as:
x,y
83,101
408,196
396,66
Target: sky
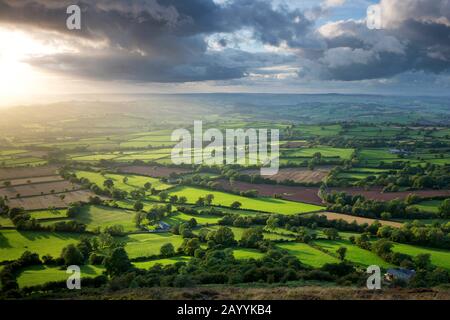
x,y
174,46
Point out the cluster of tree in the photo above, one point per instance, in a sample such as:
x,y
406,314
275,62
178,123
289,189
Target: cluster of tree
x,y
23,221
220,267
427,275
154,215
10,271
437,236
359,206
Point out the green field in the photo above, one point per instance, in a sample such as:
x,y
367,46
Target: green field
x,y
5,222
179,217
260,204
134,181
102,217
48,214
354,253
238,232
147,244
148,264
247,254
439,257
37,275
327,152
13,243
307,254
428,206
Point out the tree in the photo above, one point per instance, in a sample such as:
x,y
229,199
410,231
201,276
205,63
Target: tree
x,y
200,202
382,247
108,183
173,199
190,245
118,262
147,186
138,206
72,255
331,233
182,200
423,261
342,251
224,236
209,198
235,205
272,222
167,250
251,237
163,196
444,208
138,218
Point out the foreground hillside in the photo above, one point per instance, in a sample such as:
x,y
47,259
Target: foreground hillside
x,y
233,293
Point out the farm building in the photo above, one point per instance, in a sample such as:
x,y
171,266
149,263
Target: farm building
x,y
399,274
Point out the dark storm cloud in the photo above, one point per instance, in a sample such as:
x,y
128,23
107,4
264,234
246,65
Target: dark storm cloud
x,y
161,41
165,40
415,37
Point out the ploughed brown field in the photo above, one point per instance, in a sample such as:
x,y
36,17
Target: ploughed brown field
x,y
301,194
296,174
24,181
376,194
51,200
38,189
359,220
153,171
27,172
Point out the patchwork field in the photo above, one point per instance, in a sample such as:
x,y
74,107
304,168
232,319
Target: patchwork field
x,y
292,193
354,253
428,206
359,220
38,189
13,243
51,200
299,175
102,217
440,258
152,171
178,217
260,204
307,254
147,244
17,173
133,181
148,264
377,194
37,275
327,152
30,180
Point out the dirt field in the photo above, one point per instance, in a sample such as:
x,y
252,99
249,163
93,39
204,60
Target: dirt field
x,y
43,202
24,181
153,171
359,220
38,189
376,194
24,172
297,174
302,194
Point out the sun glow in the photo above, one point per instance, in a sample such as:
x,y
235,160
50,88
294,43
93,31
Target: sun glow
x,y
18,79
